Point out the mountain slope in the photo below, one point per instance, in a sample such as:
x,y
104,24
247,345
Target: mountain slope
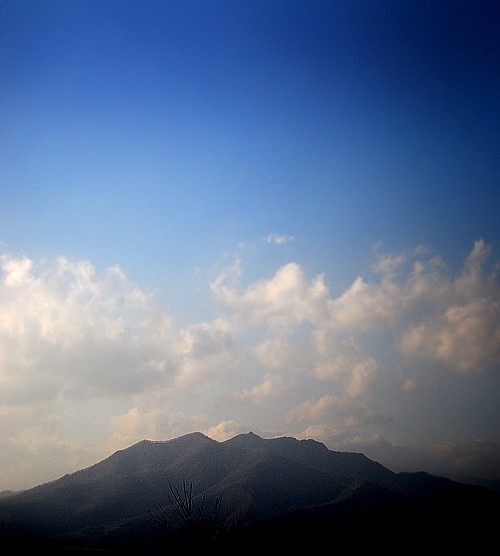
x,y
315,454
280,485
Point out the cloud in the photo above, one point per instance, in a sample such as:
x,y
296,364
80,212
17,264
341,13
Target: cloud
x,y
131,426
313,409
271,387
463,330
337,436
288,298
203,351
344,364
409,385
468,459
364,305
362,375
278,239
205,339
274,353
225,430
451,319
64,327
471,458
415,304
89,353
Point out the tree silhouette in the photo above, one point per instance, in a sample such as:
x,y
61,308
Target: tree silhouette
x,y
195,526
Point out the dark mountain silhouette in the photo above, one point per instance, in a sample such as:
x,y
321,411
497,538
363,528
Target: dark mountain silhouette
x,y
285,490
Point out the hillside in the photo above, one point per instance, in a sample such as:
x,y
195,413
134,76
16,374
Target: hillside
x,y
282,488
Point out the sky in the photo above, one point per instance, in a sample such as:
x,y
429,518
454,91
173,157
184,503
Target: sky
x,y
232,216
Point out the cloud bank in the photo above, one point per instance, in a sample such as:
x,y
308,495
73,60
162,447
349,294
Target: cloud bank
x,y
90,363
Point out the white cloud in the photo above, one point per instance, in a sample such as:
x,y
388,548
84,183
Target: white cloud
x,y
285,299
363,374
278,239
463,327
225,430
152,418
131,427
271,387
365,306
65,327
76,342
274,353
204,354
204,339
313,409
344,365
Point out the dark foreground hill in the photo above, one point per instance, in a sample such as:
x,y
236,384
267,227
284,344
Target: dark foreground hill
x,y
281,491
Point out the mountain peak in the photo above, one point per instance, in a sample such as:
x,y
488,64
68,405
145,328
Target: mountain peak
x,y
246,440
278,485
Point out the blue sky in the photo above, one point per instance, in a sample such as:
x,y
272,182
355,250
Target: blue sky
x,y
230,216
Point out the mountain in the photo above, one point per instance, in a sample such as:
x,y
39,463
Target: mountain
x,y
283,490
4,493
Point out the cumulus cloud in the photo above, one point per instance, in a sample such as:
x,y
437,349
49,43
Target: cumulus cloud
x,y
450,318
203,351
271,387
225,430
365,305
408,289
131,426
415,301
338,436
313,409
204,339
76,343
286,299
64,327
463,330
274,353
345,364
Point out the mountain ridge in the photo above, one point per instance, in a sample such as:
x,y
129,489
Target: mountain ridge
x,y
280,486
